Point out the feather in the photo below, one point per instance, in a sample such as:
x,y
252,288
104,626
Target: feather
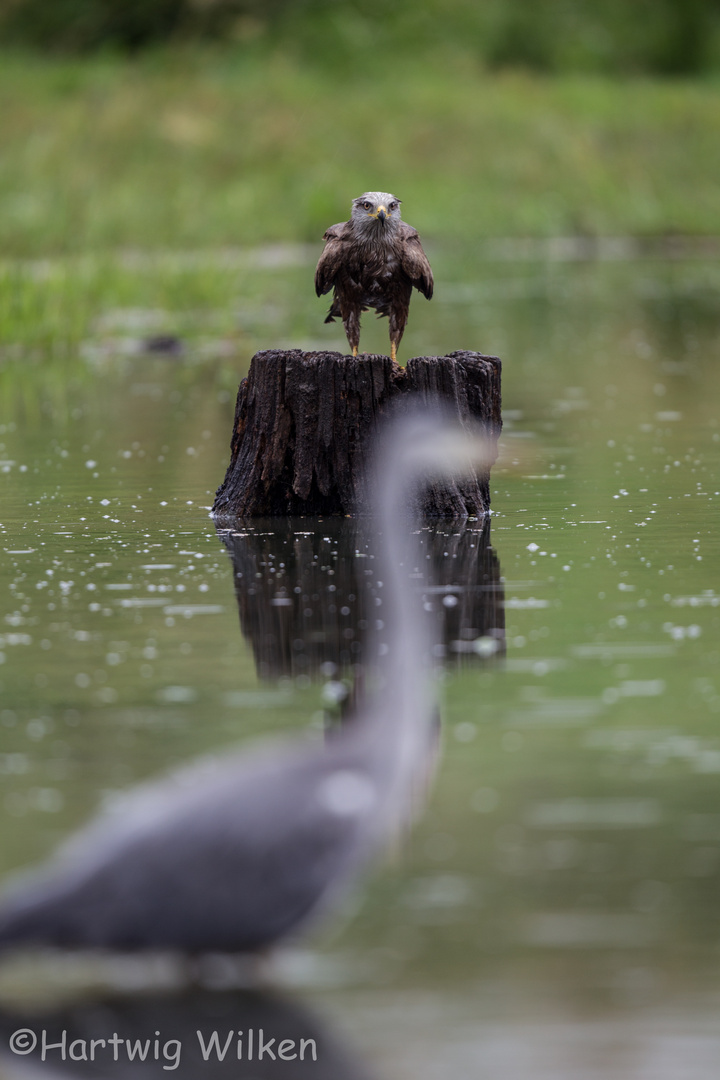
x,y
415,263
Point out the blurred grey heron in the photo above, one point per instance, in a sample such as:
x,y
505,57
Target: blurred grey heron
x,y
232,854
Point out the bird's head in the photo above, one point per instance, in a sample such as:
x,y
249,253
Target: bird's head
x,y
376,209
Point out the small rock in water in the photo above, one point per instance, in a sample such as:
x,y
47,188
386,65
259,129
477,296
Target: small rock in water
x,y
166,344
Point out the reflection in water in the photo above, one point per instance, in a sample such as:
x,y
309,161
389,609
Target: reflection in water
x,y
243,1035
309,596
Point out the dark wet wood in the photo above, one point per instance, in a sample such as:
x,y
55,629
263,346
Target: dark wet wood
x,y
304,422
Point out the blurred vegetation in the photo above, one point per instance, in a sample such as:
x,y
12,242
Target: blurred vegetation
x,y
204,147
192,124
655,36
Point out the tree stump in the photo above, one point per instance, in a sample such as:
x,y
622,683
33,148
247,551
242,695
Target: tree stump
x,y
304,422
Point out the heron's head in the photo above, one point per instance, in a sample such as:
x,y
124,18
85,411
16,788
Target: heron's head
x,y
376,210
426,443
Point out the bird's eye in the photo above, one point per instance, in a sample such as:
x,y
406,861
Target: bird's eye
x,y
367,206
392,206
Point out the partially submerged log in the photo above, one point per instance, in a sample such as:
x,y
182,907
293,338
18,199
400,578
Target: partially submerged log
x,y
304,422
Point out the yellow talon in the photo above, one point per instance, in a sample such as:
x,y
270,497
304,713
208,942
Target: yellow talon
x,y
355,348
393,350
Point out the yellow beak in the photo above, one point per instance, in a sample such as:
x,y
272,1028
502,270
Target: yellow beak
x,y
381,213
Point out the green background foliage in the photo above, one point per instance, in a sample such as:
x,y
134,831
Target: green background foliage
x,y
191,148
656,36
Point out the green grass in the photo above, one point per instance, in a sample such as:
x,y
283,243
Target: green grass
x,y
130,186
186,150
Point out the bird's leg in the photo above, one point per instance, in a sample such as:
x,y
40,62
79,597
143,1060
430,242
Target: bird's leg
x,y
351,322
397,320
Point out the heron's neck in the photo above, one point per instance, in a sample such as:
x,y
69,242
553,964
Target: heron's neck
x,y
404,668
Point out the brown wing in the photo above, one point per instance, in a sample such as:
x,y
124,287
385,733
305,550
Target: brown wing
x,y
332,257
415,263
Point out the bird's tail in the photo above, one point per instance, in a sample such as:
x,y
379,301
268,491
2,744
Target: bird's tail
x,y
334,312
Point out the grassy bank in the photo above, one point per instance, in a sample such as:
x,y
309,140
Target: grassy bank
x,y
187,150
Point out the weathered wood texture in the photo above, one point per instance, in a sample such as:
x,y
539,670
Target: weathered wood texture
x,y
304,422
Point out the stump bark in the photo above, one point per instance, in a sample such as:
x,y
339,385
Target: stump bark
x,y
304,422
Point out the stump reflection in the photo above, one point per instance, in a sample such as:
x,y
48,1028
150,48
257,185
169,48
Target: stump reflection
x,y
308,594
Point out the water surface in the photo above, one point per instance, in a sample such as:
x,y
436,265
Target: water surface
x,y
555,914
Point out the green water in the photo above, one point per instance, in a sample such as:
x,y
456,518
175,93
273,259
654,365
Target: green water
x,y
555,914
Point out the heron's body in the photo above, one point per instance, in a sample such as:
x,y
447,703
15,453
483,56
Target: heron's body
x,y
196,863
373,261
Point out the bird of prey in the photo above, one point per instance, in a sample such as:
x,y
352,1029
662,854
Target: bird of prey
x,y
372,261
